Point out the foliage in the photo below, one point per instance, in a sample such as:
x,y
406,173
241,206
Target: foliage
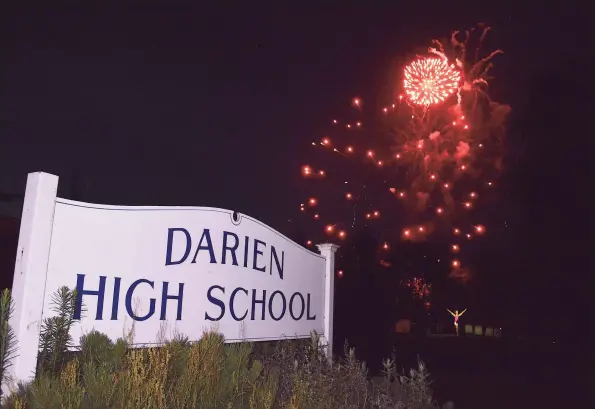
x,y
54,339
8,343
291,374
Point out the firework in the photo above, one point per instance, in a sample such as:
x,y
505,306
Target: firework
x,y
441,154
429,81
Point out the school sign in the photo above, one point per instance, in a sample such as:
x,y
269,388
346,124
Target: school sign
x,y
174,269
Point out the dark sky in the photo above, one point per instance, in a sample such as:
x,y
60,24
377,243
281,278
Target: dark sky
x,y
170,104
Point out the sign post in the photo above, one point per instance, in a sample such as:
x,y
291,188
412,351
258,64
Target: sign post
x,y
170,270
30,269
328,250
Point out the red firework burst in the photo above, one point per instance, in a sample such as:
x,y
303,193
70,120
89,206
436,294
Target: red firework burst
x,y
429,81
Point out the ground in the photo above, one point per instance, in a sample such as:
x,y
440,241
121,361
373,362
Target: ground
x,y
480,373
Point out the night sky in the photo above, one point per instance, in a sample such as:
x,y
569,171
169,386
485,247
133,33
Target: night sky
x,y
184,105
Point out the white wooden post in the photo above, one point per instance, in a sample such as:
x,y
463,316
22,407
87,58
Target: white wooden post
x,y
30,273
328,250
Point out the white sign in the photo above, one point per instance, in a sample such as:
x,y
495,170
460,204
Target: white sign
x,y
189,269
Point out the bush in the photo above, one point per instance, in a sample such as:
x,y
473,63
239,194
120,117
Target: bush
x,y
209,374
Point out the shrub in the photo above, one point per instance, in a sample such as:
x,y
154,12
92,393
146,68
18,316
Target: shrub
x,y
210,374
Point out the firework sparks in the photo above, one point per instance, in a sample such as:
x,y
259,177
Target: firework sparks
x,y
429,81
435,162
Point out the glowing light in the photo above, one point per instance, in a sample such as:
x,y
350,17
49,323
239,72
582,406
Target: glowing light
x,y
420,144
473,195
456,263
456,231
446,186
455,248
439,210
463,167
370,154
379,163
407,232
335,121
385,246
479,229
340,273
456,315
317,216
342,234
348,196
376,213
349,149
466,127
467,205
358,124
385,110
309,243
392,190
432,177
430,81
401,194
356,102
326,141
368,215
398,156
306,170
321,172
469,236
329,228
312,201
